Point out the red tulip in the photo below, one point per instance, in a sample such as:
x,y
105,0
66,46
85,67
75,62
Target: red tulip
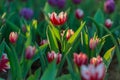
x,y
79,13
58,19
4,63
80,59
52,55
93,43
30,51
96,61
13,37
108,23
69,33
43,42
93,73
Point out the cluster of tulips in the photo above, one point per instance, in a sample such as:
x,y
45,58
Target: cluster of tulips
x,y
59,44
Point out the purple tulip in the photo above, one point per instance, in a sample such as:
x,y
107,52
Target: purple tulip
x,y
76,1
52,2
109,6
61,3
27,13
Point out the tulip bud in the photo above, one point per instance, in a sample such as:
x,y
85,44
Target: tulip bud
x,y
96,61
43,42
58,19
93,43
108,23
109,6
61,3
76,1
52,2
93,73
79,13
80,59
52,55
69,33
27,13
13,37
30,51
4,63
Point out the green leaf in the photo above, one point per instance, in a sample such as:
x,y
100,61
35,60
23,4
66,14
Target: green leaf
x,y
52,39
65,77
12,26
73,39
26,65
14,63
35,76
56,31
99,18
2,45
108,56
50,72
48,8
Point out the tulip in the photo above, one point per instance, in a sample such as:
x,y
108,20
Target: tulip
x,y
52,55
4,63
13,37
69,33
80,59
58,20
61,3
108,23
30,51
43,42
76,1
93,43
93,73
79,13
27,13
96,61
52,2
109,6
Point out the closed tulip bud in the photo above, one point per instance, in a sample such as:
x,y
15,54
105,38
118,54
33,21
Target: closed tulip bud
x,y
93,43
30,51
79,13
52,55
76,1
109,6
61,3
43,42
13,37
93,73
96,61
80,59
27,13
108,23
4,63
69,33
58,19
52,2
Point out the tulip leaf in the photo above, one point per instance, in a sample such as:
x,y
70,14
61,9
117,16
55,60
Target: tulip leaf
x,y
52,39
108,56
99,18
35,76
26,65
2,45
14,63
50,72
56,31
73,39
65,77
12,26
